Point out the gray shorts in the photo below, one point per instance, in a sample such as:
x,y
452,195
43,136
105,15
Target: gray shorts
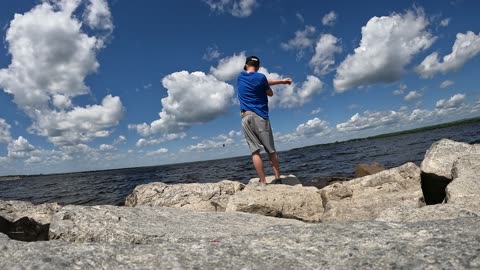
x,y
258,132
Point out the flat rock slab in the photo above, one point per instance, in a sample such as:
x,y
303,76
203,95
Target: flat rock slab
x,y
364,198
145,224
451,244
296,202
210,197
404,214
290,180
41,213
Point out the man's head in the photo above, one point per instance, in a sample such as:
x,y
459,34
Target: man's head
x,y
252,61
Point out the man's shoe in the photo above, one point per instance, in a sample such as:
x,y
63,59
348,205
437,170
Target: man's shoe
x,y
277,182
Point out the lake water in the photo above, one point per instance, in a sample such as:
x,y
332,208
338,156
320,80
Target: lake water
x,y
309,164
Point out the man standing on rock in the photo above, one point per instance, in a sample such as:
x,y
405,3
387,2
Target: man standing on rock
x,y
253,92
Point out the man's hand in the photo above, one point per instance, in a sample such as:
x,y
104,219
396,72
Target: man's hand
x,y
287,81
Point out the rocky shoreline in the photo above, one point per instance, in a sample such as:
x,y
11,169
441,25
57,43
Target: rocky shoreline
x,y
406,217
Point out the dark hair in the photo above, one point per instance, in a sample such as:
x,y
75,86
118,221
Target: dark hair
x,y
252,61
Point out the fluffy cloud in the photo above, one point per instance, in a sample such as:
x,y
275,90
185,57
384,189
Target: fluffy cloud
x,y
220,141
387,46
166,137
466,47
229,67
238,8
412,95
302,40
400,90
212,53
454,102
97,15
446,84
106,147
291,96
312,127
324,57
157,152
49,58
50,61
5,135
20,149
445,110
329,18
445,22
79,125
192,98
370,120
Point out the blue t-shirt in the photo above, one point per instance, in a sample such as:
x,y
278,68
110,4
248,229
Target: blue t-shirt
x,y
252,87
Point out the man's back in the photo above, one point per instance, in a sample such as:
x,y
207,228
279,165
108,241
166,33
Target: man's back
x,y
252,87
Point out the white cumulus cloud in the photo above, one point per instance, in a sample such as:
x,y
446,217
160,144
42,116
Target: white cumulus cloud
x,y
97,15
50,61
412,95
192,98
329,18
302,40
324,58
157,152
81,124
229,67
106,147
456,101
466,47
446,84
20,149
237,8
369,120
445,22
388,44
5,135
293,95
312,127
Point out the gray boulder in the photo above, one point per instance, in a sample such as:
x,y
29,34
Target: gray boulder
x,y
441,156
450,244
210,197
146,224
25,221
290,180
41,213
465,187
297,202
402,214
366,197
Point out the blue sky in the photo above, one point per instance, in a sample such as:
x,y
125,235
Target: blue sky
x,y
96,84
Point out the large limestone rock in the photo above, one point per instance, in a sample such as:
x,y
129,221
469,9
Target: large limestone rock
x,y
144,224
402,214
451,244
441,156
210,197
465,187
41,213
25,221
365,198
297,202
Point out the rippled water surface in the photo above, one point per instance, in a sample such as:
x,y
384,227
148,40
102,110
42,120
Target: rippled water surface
x,y
309,164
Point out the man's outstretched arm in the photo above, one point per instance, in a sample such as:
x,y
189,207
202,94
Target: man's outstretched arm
x,y
279,81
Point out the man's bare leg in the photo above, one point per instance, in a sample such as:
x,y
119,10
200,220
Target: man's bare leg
x,y
258,163
273,157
